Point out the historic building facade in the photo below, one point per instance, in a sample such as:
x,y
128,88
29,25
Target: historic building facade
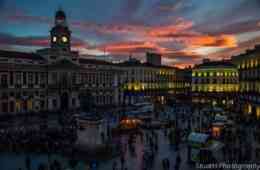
x,y
55,78
248,64
145,81
215,83
58,78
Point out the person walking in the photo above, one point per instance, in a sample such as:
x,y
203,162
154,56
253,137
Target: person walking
x,y
122,162
115,165
167,163
28,163
163,164
178,162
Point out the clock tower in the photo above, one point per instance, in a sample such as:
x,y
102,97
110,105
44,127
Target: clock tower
x,y
60,33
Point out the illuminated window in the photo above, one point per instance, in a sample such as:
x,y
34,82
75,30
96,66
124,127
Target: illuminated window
x,y
258,113
205,74
211,74
193,74
199,74
226,74
249,109
218,74
54,39
243,65
252,63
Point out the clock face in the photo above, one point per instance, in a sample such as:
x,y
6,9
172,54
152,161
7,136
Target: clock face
x,y
54,39
64,39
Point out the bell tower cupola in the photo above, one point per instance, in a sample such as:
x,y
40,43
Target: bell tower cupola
x,y
60,33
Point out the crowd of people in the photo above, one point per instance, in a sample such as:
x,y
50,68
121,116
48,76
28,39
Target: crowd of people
x,y
37,137
150,141
240,144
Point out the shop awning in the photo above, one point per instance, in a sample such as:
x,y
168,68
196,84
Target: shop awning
x,y
198,137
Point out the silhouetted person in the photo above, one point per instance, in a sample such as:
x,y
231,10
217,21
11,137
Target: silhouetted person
x,y
115,165
178,162
28,163
122,161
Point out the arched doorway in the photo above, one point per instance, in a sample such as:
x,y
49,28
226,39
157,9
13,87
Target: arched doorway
x,y
64,101
86,101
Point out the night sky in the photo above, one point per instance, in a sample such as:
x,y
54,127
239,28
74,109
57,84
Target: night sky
x,y
184,31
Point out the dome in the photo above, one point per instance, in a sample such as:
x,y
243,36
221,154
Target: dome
x,y
60,14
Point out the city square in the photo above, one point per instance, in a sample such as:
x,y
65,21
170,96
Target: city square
x,y
131,89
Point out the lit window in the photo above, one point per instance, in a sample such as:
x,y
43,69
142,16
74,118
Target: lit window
x,y
252,63
226,74
243,65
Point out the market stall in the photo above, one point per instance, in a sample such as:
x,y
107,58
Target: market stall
x,y
203,148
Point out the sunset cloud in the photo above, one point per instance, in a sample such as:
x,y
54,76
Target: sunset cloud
x,y
183,31
132,47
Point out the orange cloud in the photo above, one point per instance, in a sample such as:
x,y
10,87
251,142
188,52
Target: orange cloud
x,y
241,47
183,65
219,41
227,41
133,47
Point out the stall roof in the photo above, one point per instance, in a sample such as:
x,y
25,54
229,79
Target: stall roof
x,y
216,145
198,137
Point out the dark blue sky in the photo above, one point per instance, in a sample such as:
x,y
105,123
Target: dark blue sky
x,y
184,31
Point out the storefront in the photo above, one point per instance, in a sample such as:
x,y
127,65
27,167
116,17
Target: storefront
x,y
129,123
217,128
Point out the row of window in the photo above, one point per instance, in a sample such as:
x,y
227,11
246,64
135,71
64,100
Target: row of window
x,y
149,73
76,78
249,63
214,81
214,74
20,106
28,94
215,88
22,78
248,74
250,87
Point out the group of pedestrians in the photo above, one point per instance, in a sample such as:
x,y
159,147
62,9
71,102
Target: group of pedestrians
x,y
34,140
38,137
51,165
